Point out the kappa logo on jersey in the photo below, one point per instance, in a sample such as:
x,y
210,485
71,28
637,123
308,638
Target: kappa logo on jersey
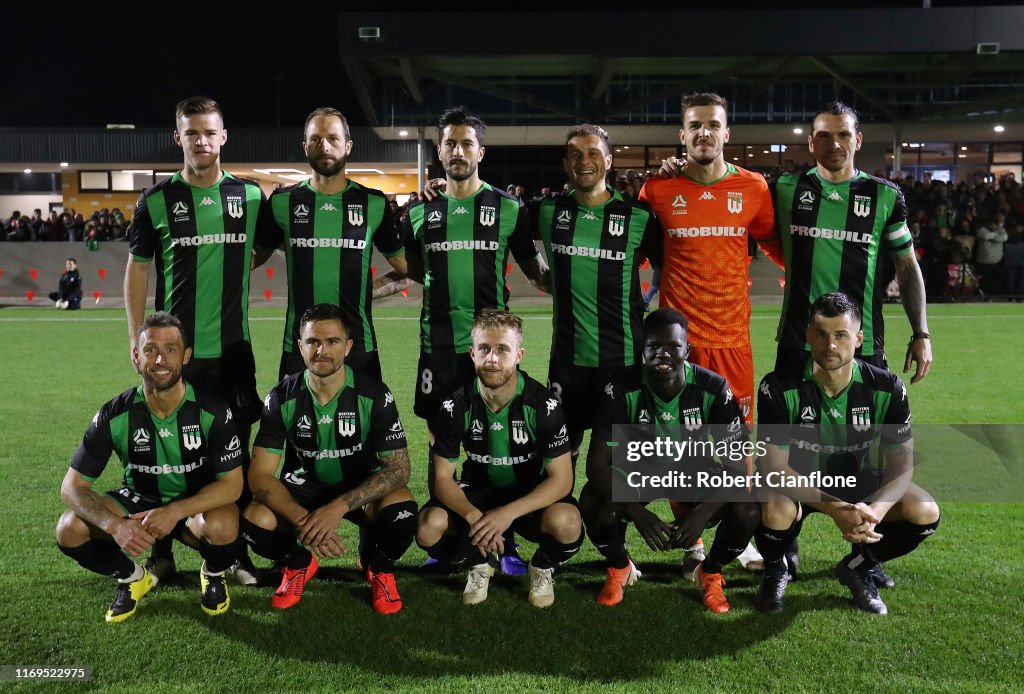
x,y
141,437
496,426
206,201
551,405
519,434
833,413
449,407
734,425
487,215
728,395
190,437
766,390
328,207
165,433
356,215
734,202
589,216
460,210
266,401
180,209
667,417
347,424
96,419
476,430
324,419
616,224
402,515
301,214
861,205
861,418
903,385
228,416
644,417
706,195
236,206
808,415
388,398
609,390
304,423
835,196
692,419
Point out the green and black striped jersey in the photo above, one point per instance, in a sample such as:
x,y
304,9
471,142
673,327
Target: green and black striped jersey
x,y
334,444
328,243
595,255
832,236
164,459
202,241
833,435
704,407
463,246
506,449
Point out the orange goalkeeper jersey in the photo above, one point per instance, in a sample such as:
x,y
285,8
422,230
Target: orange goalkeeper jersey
x,y
705,267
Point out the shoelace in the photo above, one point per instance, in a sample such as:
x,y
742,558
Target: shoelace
x,y
380,587
544,579
478,579
295,582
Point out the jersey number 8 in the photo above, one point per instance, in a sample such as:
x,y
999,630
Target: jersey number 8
x,y
426,381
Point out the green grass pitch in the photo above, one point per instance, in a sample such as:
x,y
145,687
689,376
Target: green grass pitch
x,y
956,622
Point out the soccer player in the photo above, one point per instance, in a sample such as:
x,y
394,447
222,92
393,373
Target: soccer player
x,y
594,241
517,474
344,458
836,224
69,290
329,225
674,393
182,475
709,213
823,422
200,226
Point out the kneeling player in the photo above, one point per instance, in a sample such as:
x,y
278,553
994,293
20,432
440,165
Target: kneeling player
x,y
345,457
819,428
518,471
182,461
673,392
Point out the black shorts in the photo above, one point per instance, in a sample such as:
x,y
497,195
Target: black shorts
x,y
133,502
360,361
312,496
486,498
232,377
581,388
438,376
790,361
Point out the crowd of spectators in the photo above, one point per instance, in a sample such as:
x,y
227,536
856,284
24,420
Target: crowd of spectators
x,y
69,225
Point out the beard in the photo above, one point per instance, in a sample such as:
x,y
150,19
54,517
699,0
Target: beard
x,y
324,169
495,379
154,385
464,176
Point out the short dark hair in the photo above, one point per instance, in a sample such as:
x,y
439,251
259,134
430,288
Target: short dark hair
x,y
321,312
73,260
163,319
460,115
665,317
703,99
838,108
498,319
586,130
832,305
327,111
196,105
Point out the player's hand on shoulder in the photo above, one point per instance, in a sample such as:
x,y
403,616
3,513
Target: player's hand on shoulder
x,y
433,188
671,167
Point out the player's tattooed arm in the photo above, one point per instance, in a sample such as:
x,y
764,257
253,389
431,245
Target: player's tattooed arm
x,y
390,283
394,474
912,294
78,495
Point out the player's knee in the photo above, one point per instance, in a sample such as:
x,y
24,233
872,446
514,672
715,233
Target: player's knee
x,y
778,514
745,513
921,512
220,525
71,530
431,526
260,516
562,522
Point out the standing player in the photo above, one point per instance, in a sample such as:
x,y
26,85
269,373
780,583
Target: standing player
x,y
329,225
674,394
836,223
709,213
594,241
182,475
517,474
824,420
344,458
201,226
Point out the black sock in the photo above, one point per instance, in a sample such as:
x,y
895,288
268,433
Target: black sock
x,y
898,538
162,549
606,530
740,520
455,550
553,553
276,545
219,558
104,558
773,543
391,534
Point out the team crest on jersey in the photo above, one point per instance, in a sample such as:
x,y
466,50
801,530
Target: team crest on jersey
x,y
692,419
301,214
644,417
616,224
476,430
806,200
346,424
180,209
190,437
861,205
734,202
519,434
356,215
235,205
861,418
487,215
745,406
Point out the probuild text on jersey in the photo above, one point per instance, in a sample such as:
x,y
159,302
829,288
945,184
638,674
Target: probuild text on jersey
x,y
826,233
207,239
694,232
